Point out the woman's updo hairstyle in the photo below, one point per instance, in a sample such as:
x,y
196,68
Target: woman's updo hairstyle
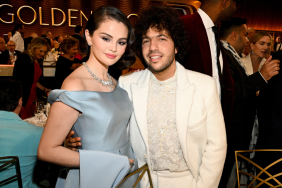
x,y
107,12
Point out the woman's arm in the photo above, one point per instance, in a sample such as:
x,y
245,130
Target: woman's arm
x,y
41,87
60,120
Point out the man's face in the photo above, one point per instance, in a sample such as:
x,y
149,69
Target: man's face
x,y
11,46
49,35
2,44
81,32
22,30
60,39
279,40
242,39
9,35
158,50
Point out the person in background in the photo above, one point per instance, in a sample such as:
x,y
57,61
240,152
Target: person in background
x,y
49,38
270,121
67,62
260,46
4,53
17,37
206,52
278,45
11,45
247,50
28,69
17,138
60,39
78,33
251,33
233,34
28,40
9,35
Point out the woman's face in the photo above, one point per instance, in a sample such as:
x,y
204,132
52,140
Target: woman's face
x,y
261,48
73,51
39,53
108,42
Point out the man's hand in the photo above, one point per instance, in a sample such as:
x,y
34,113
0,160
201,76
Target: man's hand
x,y
72,143
270,68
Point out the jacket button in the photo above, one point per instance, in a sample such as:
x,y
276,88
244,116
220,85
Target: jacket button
x,y
145,156
143,179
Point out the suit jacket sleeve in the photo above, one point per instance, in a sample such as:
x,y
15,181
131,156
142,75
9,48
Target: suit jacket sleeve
x,y
244,85
215,151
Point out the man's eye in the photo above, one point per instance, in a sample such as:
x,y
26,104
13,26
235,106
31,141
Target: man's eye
x,y
106,39
145,41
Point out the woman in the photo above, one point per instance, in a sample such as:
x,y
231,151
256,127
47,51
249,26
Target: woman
x,y
28,69
92,104
67,62
260,46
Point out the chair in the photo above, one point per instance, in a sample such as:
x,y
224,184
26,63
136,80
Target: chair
x,y
259,169
13,160
142,169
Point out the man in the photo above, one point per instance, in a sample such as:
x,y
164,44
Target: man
x,y
9,35
17,37
206,53
233,36
13,54
78,33
177,125
11,46
251,33
60,39
247,50
4,54
49,38
17,138
270,121
278,45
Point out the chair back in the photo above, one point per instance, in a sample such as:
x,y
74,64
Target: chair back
x,y
259,170
142,170
7,161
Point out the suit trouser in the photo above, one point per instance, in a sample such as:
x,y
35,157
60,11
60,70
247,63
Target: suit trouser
x,y
167,179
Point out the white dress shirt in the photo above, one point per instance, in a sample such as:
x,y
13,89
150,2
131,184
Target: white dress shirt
x,y
17,38
208,23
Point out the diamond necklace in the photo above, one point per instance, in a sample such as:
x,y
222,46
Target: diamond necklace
x,y
103,82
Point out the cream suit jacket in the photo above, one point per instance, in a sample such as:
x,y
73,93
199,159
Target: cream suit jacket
x,y
199,121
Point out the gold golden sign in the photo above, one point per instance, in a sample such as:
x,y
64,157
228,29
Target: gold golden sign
x,y
70,17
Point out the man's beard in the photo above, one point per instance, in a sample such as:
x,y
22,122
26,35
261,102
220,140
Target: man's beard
x,y
163,67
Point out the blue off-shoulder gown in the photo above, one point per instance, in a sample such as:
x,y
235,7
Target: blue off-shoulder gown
x,y
102,127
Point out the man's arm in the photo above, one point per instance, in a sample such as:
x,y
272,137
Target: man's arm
x,y
215,151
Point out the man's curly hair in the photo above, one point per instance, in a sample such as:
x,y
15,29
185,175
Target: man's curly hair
x,y
162,18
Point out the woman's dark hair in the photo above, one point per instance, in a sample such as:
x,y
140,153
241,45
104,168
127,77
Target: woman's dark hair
x,y
162,19
108,12
10,94
68,43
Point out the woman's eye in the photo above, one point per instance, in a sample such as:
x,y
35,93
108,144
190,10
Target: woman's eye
x,y
105,39
122,43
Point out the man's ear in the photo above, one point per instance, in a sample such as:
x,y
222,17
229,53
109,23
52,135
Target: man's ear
x,y
175,50
20,103
225,3
234,35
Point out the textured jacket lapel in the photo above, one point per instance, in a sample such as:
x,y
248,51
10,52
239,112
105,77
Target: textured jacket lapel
x,y
139,95
184,100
